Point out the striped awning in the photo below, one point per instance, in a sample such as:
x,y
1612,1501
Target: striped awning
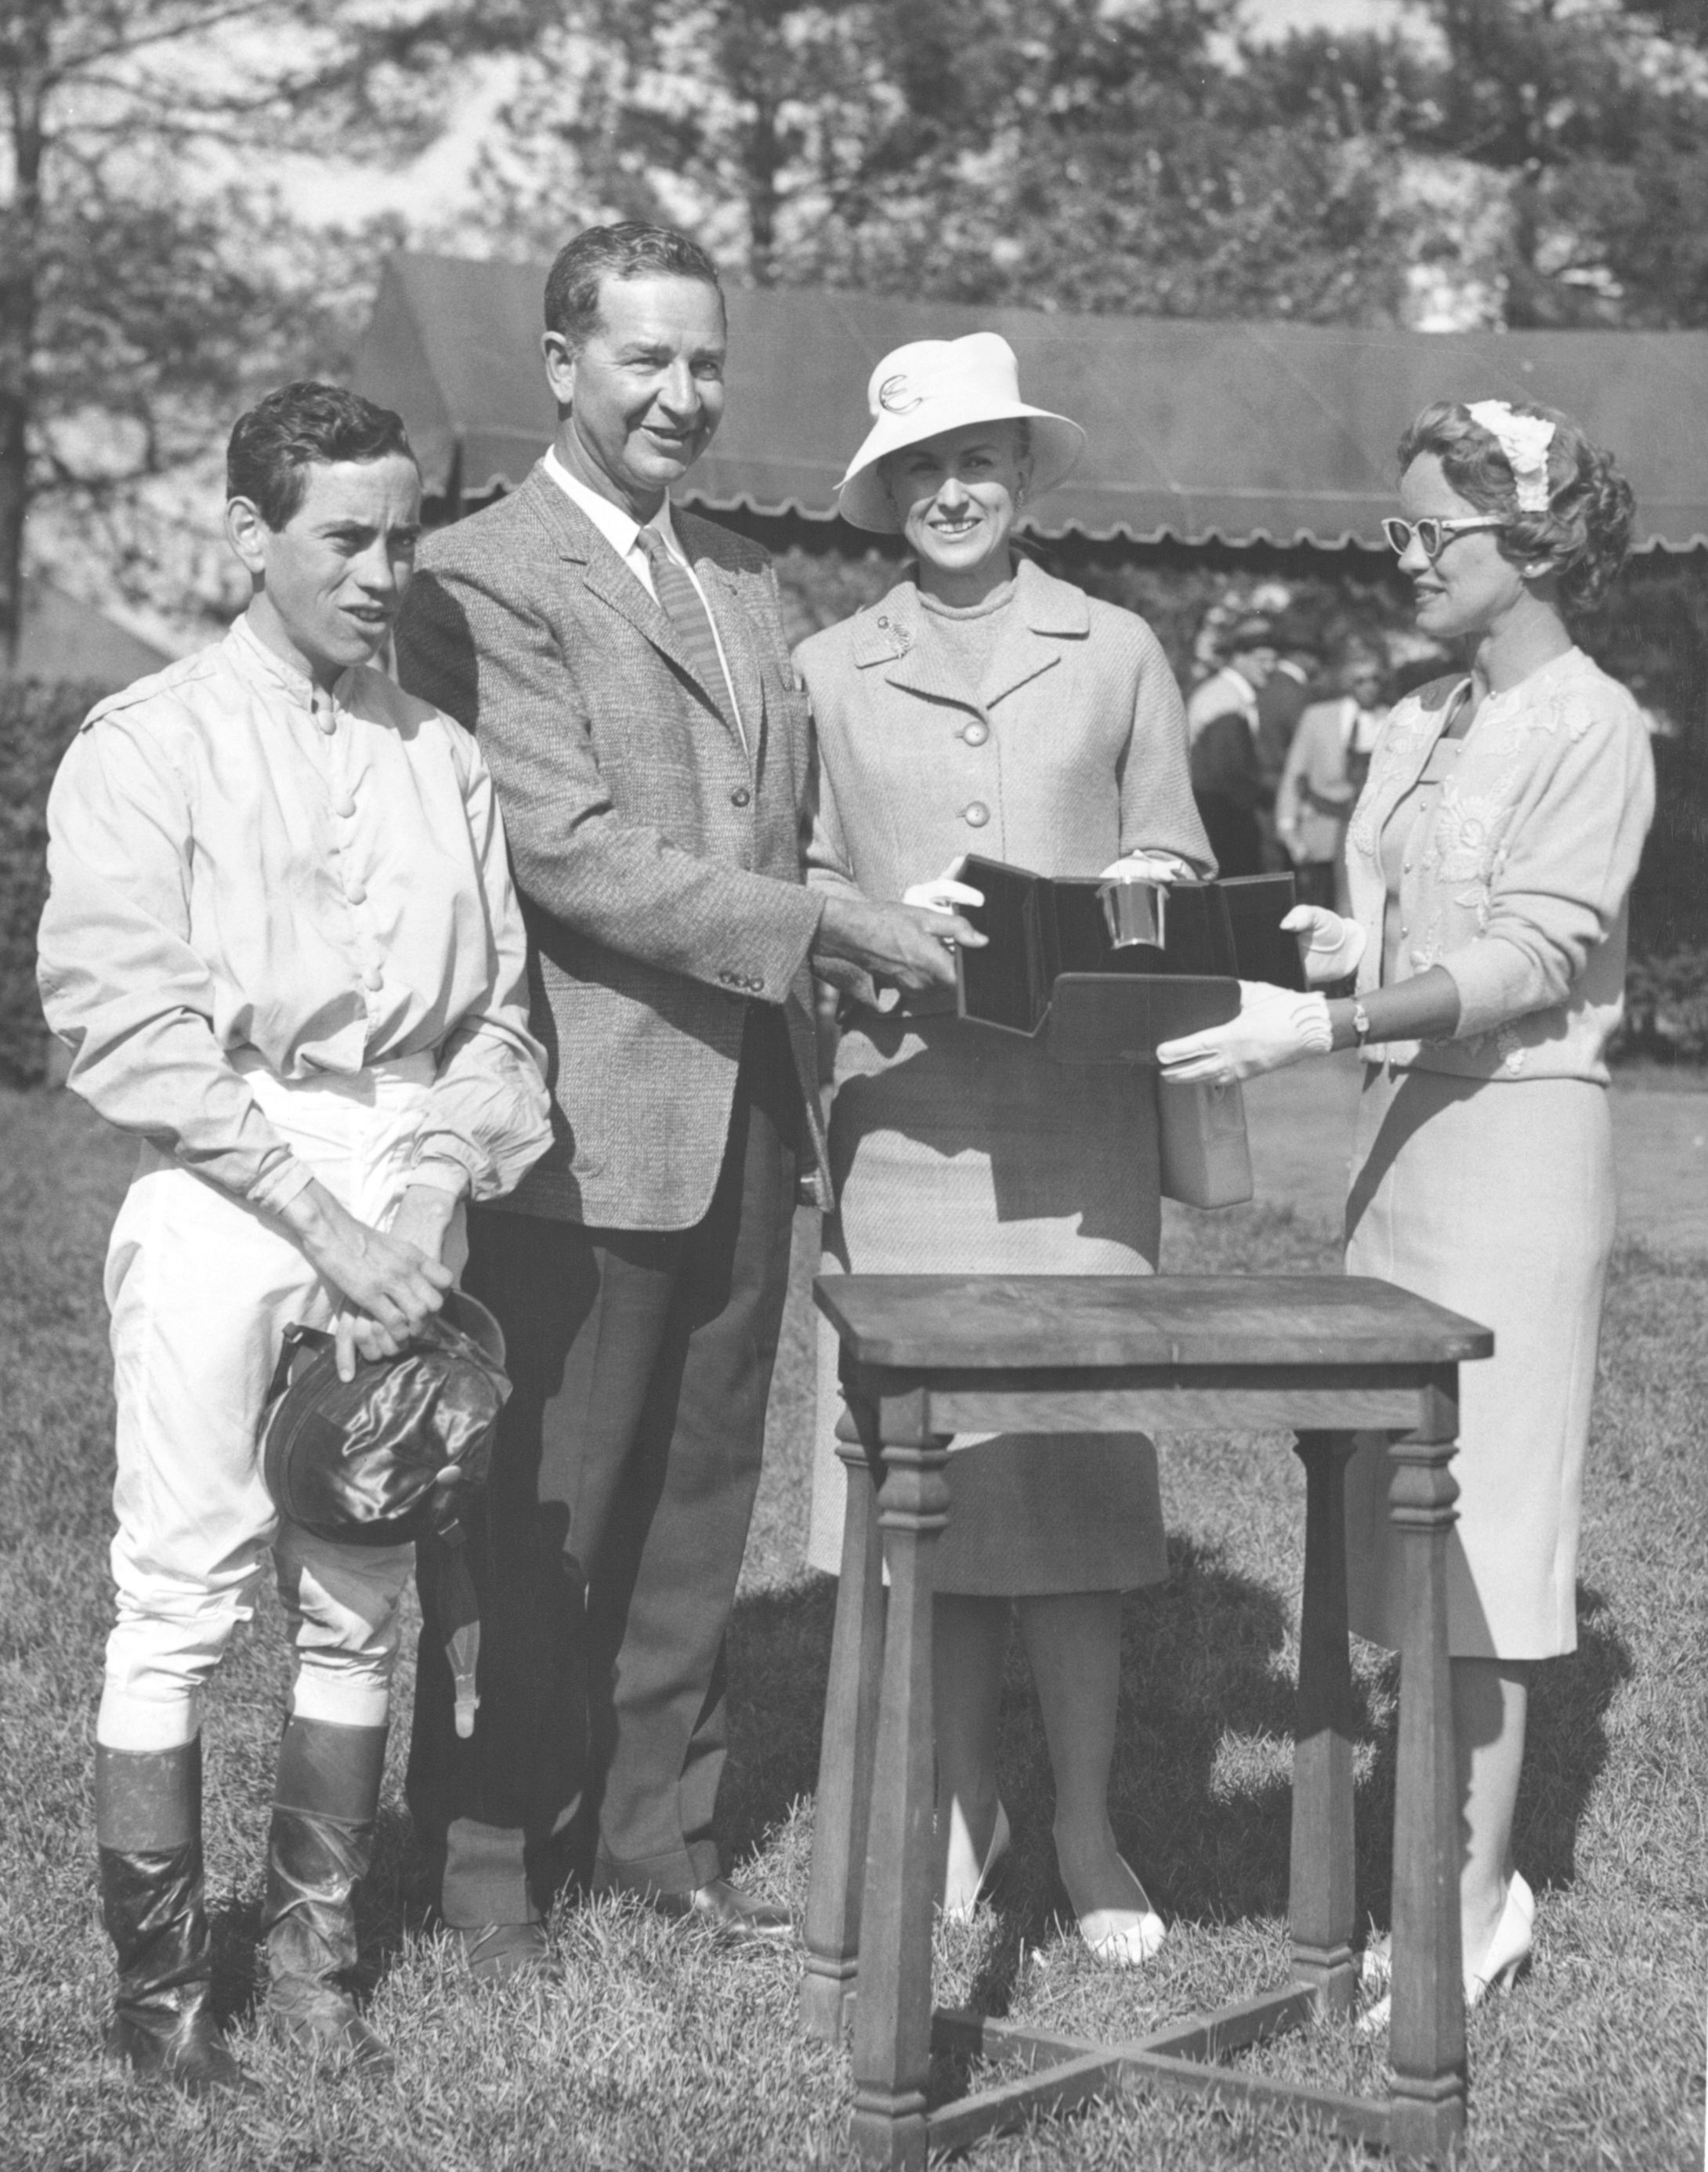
x,y
1198,431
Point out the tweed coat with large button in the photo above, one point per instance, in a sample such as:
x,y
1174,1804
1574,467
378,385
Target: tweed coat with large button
x,y
659,863
1070,752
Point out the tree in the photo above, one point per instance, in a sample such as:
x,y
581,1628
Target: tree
x,y
1542,161
146,277
1582,126
1070,153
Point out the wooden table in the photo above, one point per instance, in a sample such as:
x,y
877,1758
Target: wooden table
x,y
925,1357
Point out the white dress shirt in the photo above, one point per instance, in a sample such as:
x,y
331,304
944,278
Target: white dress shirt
x,y
622,531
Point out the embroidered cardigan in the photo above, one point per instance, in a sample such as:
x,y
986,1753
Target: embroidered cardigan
x,y
1518,882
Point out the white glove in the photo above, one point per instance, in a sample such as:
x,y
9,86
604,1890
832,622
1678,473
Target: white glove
x,y
1329,947
1140,867
1274,1028
944,893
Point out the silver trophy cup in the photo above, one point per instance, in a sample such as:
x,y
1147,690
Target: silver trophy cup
x,y
1134,911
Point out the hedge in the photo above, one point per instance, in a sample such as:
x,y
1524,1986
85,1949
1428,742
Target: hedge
x,y
39,718
1666,986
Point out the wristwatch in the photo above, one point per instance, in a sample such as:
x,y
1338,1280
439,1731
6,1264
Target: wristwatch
x,y
1361,1022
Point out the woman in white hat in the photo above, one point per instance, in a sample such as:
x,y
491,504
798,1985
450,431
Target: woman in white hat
x,y
983,706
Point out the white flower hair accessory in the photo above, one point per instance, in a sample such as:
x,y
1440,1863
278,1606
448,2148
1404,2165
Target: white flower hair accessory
x,y
1524,439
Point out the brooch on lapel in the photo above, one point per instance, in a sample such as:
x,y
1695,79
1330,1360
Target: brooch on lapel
x,y
900,640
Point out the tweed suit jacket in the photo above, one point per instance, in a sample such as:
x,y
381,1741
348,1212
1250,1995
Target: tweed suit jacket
x,y
659,863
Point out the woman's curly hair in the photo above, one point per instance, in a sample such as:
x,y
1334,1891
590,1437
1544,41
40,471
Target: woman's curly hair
x,y
1586,530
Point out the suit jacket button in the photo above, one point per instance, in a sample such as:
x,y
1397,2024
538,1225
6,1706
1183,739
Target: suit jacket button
x,y
976,734
740,796
976,816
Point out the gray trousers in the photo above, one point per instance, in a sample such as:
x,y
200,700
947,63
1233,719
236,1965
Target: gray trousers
x,y
606,1550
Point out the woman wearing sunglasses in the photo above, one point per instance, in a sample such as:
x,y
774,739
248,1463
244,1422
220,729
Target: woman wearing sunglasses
x,y
1488,863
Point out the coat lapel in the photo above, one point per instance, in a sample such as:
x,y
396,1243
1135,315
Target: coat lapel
x,y
729,613
891,636
1045,613
917,664
611,580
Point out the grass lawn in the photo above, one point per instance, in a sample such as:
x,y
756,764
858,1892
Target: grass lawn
x,y
656,2047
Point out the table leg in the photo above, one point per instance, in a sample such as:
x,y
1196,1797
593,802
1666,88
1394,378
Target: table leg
x,y
892,2015
845,1756
1321,1908
1427,2037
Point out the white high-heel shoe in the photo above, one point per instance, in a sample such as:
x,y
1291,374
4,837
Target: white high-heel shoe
x,y
964,1877
1509,1950
1123,1937
1507,1956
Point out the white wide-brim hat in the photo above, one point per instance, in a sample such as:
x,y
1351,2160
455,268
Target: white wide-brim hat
x,y
919,390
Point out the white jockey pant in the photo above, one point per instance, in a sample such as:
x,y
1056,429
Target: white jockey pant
x,y
201,1288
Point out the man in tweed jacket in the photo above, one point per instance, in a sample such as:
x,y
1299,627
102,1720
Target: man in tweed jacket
x,y
626,673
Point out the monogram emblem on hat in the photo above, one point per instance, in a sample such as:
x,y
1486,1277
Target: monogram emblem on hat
x,y
894,398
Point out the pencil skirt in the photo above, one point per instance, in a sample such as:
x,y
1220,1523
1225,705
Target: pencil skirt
x,y
1495,1199
958,1149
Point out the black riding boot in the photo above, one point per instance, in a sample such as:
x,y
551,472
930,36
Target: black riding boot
x,y
148,1825
321,1841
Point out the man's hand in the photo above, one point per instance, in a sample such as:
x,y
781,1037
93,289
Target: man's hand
x,y
905,943
847,979
388,1284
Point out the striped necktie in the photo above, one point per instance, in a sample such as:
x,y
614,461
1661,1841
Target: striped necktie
x,y
680,602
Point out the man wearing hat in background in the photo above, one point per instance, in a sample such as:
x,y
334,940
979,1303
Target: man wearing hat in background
x,y
626,670
282,944
1222,720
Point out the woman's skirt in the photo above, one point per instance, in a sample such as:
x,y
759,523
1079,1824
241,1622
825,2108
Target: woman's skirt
x,y
960,1150
1495,1199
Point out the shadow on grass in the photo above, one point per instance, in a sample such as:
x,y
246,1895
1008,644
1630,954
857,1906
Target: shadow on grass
x,y
1201,1795
1568,1746
1566,1752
